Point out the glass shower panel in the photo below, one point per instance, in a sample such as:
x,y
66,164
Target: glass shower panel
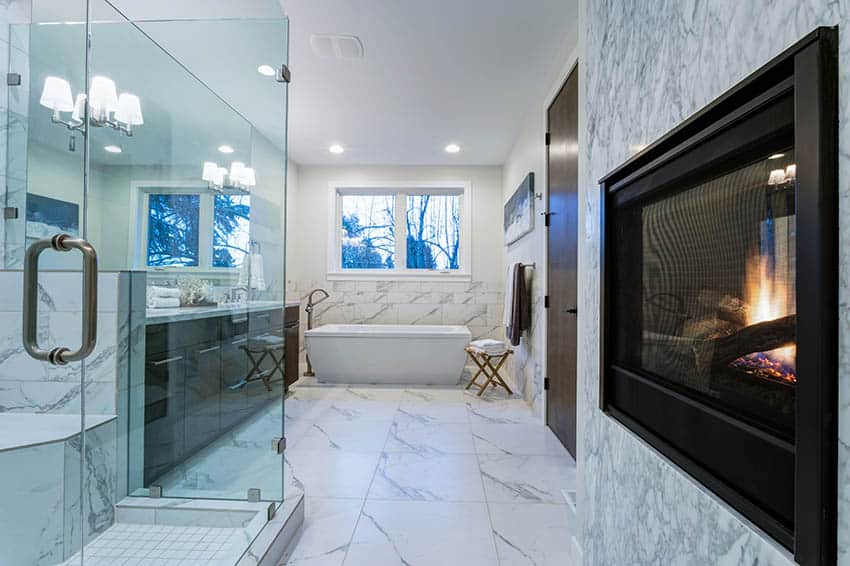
x,y
190,201
45,515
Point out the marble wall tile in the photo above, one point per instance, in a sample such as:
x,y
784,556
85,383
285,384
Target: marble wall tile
x,y
643,72
27,385
476,304
33,487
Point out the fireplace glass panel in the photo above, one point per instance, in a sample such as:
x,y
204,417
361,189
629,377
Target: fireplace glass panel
x,y
704,291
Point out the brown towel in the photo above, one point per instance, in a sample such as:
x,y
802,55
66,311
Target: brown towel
x,y
520,306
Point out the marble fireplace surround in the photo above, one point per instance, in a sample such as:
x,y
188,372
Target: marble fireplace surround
x,y
636,506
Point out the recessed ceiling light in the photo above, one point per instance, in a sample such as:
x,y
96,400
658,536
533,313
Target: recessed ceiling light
x,y
112,148
225,149
452,148
266,70
336,149
777,156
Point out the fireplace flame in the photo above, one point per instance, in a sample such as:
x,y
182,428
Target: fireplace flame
x,y
767,298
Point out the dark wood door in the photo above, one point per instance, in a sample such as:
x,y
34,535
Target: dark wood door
x,y
562,167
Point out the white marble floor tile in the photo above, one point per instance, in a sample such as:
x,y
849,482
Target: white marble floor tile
x,y
404,475
328,528
358,436
502,411
329,473
355,393
531,534
433,412
297,409
414,533
434,395
528,439
409,435
527,479
350,410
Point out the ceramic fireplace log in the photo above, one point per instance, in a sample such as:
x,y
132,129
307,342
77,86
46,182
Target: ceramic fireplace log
x,y
761,337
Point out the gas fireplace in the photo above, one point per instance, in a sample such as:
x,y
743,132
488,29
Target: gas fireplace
x,y
720,297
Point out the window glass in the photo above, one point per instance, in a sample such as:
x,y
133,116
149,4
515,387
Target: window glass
x,y
173,230
433,228
231,230
368,231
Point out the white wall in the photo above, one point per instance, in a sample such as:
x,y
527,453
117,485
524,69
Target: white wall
x,y
311,233
528,155
476,303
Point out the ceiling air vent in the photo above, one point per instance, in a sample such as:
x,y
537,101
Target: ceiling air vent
x,y
336,46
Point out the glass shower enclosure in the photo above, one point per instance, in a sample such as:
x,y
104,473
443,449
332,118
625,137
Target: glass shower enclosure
x,y
144,169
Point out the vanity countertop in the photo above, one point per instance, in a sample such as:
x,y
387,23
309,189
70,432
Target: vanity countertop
x,y
159,316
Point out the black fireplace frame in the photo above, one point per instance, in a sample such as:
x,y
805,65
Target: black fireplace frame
x,y
806,77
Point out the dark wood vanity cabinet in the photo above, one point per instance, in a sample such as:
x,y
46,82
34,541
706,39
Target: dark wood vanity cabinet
x,y
195,380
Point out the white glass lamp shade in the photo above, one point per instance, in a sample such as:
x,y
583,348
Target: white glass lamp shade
x,y
56,95
248,178
129,110
777,177
79,108
218,178
102,96
791,172
210,171
236,170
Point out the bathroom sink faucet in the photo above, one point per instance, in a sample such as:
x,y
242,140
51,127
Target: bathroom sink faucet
x,y
311,303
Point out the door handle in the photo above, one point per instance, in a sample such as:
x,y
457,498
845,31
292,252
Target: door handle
x,y
570,311
60,356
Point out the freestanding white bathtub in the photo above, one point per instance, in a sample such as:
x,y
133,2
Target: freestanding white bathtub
x,y
388,353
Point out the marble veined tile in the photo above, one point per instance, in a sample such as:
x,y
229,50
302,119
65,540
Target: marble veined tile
x,y
525,439
527,479
327,530
531,534
426,438
413,533
433,412
351,410
501,411
329,473
434,395
412,476
356,436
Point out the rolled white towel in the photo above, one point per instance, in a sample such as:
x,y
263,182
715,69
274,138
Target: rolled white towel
x,y
163,302
163,292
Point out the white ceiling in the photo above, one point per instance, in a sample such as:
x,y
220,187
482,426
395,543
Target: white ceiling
x,y
433,72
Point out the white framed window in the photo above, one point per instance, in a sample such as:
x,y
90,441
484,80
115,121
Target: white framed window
x,y
189,228
399,230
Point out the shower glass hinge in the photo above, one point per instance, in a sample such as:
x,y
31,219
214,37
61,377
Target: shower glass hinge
x,y
278,444
10,212
155,491
13,79
253,494
270,513
283,74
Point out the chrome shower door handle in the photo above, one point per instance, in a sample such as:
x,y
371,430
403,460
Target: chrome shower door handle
x,y
60,355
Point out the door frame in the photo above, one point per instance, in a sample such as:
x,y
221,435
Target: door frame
x,y
571,64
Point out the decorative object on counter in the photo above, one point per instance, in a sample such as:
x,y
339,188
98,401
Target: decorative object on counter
x,y
195,292
163,297
309,310
478,353
519,211
251,272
